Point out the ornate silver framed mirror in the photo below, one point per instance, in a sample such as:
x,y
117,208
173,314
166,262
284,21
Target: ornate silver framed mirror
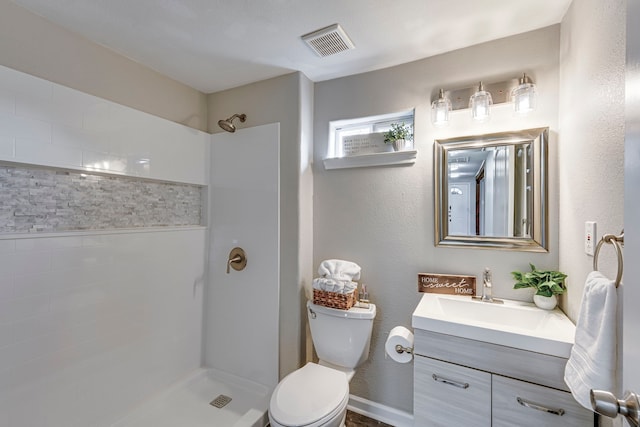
x,y
491,190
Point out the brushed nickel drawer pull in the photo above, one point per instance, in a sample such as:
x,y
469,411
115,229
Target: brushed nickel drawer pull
x,y
528,404
450,382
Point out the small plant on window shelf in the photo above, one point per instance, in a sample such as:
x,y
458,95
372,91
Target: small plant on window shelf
x,y
546,283
398,131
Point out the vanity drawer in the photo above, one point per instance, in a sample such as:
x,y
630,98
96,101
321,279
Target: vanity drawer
x,y
450,395
512,362
518,403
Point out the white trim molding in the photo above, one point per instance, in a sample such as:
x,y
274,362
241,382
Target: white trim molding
x,y
380,412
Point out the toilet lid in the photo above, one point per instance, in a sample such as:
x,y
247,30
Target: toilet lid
x,y
308,394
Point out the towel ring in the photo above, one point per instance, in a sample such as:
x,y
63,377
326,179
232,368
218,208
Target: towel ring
x,y
616,241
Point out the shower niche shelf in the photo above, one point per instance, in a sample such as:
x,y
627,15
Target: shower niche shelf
x,y
395,158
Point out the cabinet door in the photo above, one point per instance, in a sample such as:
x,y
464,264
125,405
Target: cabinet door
x,y
517,403
450,395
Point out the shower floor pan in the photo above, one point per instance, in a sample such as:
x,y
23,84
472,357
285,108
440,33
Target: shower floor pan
x,y
193,402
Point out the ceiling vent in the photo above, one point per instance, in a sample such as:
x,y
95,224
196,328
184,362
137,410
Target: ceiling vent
x,y
329,40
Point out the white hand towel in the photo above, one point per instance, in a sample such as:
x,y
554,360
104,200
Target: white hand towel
x,y
592,363
339,269
332,285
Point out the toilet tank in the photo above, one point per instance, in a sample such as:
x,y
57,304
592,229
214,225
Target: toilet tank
x,y
341,337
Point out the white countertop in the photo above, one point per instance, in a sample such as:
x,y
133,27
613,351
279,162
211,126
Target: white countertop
x,y
514,324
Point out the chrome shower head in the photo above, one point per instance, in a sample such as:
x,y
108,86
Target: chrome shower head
x,y
228,123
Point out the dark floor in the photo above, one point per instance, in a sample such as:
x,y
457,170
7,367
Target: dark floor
x,y
357,420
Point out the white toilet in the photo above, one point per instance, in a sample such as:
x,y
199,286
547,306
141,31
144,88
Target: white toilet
x,y
317,394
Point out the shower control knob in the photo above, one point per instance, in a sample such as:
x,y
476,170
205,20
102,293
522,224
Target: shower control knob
x,y
237,260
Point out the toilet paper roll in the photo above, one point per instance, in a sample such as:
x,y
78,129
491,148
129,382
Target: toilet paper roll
x,y
404,337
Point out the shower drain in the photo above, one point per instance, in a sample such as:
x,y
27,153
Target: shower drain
x,y
220,401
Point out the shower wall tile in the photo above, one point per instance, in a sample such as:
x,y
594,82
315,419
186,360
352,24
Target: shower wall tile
x,y
107,310
82,314
7,246
104,162
16,309
33,261
12,126
8,104
6,146
46,244
35,200
5,336
35,151
80,138
53,125
6,288
13,82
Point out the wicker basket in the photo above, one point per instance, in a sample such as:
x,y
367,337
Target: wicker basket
x,y
334,299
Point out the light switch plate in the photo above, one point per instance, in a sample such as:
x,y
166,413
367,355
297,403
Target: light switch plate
x,y
589,237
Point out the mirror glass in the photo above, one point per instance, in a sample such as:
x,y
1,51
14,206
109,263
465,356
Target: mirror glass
x,y
491,190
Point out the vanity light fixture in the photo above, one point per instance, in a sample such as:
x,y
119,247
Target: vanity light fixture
x,y
480,99
524,95
440,109
480,104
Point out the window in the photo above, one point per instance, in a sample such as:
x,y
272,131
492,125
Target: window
x,y
363,135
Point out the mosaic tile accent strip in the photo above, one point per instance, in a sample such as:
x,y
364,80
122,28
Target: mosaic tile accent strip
x,y
41,200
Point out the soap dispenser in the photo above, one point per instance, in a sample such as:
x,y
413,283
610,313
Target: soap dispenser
x,y
363,297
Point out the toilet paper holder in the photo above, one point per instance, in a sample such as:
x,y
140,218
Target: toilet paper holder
x,y
399,345
400,349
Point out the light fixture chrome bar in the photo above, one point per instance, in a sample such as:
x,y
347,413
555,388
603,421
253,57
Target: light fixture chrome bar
x,y
500,93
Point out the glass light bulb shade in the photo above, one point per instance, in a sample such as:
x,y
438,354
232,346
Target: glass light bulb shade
x,y
480,104
524,98
440,110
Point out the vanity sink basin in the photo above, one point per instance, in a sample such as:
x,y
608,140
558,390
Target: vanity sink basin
x,y
514,323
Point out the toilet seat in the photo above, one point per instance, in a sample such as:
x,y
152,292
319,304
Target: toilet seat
x,y
309,396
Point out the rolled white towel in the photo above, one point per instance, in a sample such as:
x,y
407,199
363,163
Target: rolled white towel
x,y
333,285
339,269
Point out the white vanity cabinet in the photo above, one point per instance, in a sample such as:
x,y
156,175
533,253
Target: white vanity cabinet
x,y
463,382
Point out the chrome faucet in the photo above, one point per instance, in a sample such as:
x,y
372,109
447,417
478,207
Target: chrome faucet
x,y
487,289
486,286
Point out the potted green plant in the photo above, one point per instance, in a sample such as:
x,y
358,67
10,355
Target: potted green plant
x,y
547,283
398,135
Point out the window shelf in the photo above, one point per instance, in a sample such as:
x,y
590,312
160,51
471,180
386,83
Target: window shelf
x,y
395,158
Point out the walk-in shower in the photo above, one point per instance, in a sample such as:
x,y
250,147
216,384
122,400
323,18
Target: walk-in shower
x,y
228,123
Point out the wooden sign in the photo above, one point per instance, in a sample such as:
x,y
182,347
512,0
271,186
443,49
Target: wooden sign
x,y
446,284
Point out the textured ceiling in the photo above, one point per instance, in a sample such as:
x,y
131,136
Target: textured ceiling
x,y
214,45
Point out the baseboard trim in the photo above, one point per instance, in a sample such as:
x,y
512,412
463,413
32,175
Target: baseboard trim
x,y
380,412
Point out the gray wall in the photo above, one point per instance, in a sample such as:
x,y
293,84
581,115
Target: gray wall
x,y
592,124
382,217
281,100
33,45
592,61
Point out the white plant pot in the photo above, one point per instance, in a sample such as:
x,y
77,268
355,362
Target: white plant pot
x,y
546,303
399,144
